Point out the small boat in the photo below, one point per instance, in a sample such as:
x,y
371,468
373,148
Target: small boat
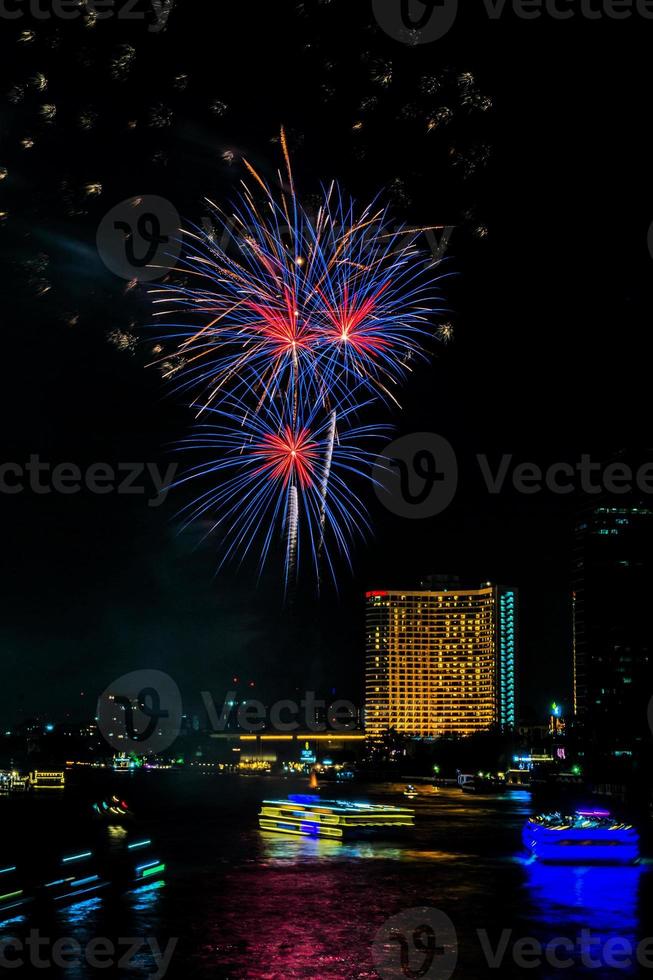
x,y
410,792
586,837
55,881
309,816
112,808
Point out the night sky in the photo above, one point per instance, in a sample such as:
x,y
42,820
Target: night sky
x,y
540,157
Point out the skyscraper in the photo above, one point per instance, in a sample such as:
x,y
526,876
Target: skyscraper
x,y
440,662
612,627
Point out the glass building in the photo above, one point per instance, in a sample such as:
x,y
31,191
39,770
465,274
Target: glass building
x,y
612,633
440,662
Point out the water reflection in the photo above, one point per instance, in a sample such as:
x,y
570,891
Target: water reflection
x,y
81,913
81,922
601,900
6,923
146,898
279,850
246,903
522,796
134,914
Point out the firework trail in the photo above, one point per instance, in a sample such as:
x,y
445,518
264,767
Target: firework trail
x,y
331,438
292,537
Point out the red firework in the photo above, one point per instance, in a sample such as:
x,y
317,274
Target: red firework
x,y
280,327
287,456
345,321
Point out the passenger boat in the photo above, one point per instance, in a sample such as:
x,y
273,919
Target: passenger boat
x,y
309,816
587,837
39,779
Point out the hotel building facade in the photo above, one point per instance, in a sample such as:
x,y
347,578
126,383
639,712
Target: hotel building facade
x,y
440,662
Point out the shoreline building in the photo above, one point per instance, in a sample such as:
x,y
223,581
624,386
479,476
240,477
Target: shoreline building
x,y
440,662
612,636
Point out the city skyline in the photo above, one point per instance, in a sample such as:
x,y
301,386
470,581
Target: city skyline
x,y
151,598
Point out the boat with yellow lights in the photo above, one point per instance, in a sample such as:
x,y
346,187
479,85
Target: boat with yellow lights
x,y
309,816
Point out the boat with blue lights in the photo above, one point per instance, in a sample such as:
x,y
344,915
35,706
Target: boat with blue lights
x,y
586,837
74,875
12,892
39,883
309,816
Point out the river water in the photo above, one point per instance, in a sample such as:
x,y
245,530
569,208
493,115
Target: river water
x,y
457,894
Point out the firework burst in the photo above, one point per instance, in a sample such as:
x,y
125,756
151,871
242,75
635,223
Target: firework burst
x,y
272,477
277,296
289,327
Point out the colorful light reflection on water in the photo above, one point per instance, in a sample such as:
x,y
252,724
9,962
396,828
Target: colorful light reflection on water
x,y
602,900
257,905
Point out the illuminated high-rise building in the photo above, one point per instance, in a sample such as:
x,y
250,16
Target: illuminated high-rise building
x,y
440,662
613,637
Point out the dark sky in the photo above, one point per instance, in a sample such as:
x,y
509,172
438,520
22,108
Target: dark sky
x,y
549,190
